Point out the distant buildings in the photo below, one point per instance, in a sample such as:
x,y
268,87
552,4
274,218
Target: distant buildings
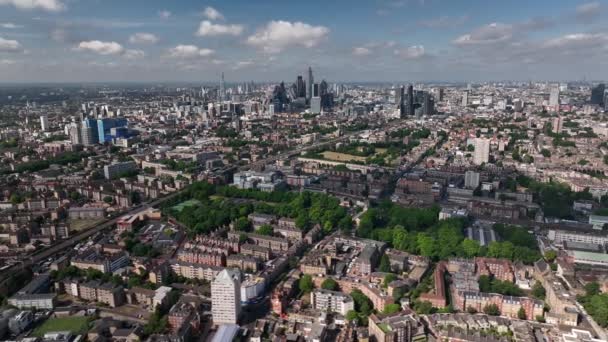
x,y
226,297
44,122
597,94
554,97
113,170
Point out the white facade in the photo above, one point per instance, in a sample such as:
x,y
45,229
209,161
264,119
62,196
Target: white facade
x,y
226,297
333,301
44,123
482,151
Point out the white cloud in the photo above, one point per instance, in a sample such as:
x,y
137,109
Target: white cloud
x,y
7,45
189,51
143,38
134,54
361,51
278,35
588,8
99,47
207,28
45,5
588,11
243,64
488,34
212,14
10,26
578,40
412,52
164,14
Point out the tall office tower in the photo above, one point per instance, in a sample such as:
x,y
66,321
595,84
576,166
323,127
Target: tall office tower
x,y
465,98
300,87
554,97
222,92
400,101
482,151
89,132
428,105
410,100
471,179
226,297
315,100
597,94
309,84
75,135
557,125
44,122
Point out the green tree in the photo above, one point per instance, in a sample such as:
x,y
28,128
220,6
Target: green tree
x,y
385,264
538,291
550,255
521,313
491,309
388,279
546,153
265,229
470,247
426,244
306,285
592,289
423,307
352,315
242,224
330,284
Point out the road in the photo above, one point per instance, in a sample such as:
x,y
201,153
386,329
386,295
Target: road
x,y
75,239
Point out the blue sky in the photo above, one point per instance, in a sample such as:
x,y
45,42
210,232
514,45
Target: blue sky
x,y
267,40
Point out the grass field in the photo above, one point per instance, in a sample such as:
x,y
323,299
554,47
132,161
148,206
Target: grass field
x,y
79,225
341,157
188,203
77,325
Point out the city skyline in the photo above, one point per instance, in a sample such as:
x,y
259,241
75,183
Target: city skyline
x,y
155,41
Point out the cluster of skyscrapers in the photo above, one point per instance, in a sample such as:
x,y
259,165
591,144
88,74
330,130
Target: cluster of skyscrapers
x,y
414,103
97,128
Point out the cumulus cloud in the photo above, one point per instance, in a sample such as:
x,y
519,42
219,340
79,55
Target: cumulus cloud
x,y
7,62
143,38
134,54
101,48
578,41
488,34
207,28
412,52
279,35
588,11
10,26
212,14
163,14
45,5
189,51
361,51
7,45
444,22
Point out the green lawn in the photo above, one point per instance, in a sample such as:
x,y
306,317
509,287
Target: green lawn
x,y
188,203
77,325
